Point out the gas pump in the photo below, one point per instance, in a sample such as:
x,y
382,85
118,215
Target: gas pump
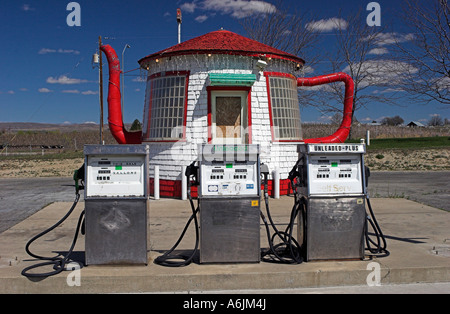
x,y
228,230
114,221
228,198
332,183
116,204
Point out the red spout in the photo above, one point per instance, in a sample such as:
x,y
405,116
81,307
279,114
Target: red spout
x,y
115,121
343,131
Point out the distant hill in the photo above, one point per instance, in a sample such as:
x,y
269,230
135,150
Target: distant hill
x,y
33,126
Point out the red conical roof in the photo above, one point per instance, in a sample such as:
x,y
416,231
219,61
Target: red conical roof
x,y
223,42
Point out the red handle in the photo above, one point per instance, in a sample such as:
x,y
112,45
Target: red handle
x,y
343,131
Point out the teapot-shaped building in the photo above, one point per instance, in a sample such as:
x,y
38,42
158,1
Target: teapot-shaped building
x,y
220,88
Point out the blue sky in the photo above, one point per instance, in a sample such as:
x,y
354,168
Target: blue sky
x,y
46,70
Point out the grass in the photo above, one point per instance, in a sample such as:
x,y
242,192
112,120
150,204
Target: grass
x,y
407,143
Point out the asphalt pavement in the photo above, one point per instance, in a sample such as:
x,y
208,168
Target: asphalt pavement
x,y
22,197
431,188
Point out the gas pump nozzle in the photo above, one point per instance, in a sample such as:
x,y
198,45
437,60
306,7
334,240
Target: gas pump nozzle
x,y
77,176
367,175
294,173
265,172
192,170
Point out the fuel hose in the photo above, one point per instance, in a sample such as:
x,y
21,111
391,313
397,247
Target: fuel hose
x,y
288,250
169,258
59,262
376,248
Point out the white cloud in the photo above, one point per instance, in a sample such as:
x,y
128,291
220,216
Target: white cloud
x,y
63,79
239,8
76,91
388,90
188,7
324,119
327,25
44,90
378,51
383,39
139,79
383,72
75,52
307,69
89,92
27,7
322,88
44,51
201,18
236,8
441,83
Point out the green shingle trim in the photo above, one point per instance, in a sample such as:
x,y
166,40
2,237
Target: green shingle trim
x,y
231,79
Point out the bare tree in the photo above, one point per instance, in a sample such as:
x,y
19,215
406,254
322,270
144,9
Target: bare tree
x,y
397,120
286,29
283,29
356,52
428,51
355,55
336,119
353,49
435,120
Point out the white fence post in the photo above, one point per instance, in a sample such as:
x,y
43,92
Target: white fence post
x,y
276,183
156,183
183,183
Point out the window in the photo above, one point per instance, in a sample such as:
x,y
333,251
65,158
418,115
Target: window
x,y
166,107
229,115
285,110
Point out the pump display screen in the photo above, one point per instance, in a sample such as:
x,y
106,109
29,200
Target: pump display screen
x,y
335,174
115,176
227,172
229,179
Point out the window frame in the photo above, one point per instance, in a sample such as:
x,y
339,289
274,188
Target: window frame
x,y
149,102
268,75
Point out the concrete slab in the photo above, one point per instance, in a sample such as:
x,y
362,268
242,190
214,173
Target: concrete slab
x,y
413,232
